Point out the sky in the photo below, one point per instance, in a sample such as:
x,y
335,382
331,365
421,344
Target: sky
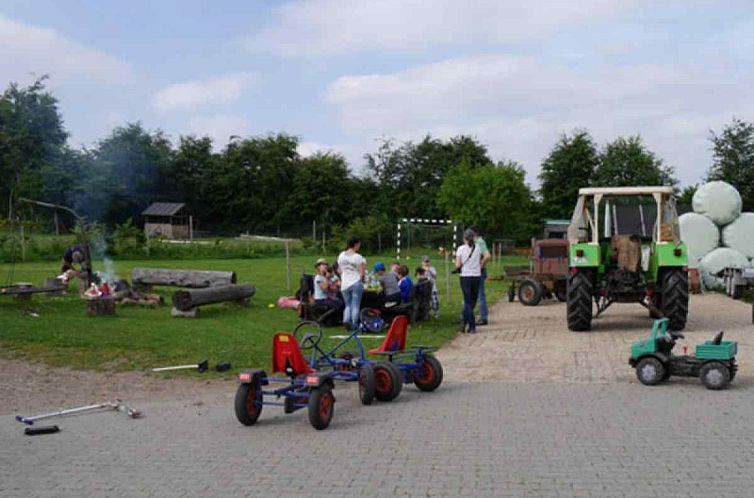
x,y
342,74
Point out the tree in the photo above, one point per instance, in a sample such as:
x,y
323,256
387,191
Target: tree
x,y
570,166
495,197
733,159
191,172
626,162
323,189
687,195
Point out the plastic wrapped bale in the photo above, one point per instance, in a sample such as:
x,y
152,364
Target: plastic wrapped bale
x,y
716,261
700,235
739,235
718,201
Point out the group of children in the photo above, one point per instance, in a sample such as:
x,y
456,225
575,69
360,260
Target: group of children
x,y
397,283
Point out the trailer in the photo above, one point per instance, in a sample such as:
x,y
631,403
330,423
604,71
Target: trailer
x,y
738,280
545,276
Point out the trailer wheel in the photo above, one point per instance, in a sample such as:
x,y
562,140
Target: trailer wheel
x,y
511,293
530,292
650,371
580,290
388,381
428,376
248,404
321,407
675,298
714,375
366,384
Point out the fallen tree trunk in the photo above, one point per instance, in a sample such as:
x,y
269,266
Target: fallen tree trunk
x,y
195,279
187,299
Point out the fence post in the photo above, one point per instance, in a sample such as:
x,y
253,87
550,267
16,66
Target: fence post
x,y
287,265
447,274
23,243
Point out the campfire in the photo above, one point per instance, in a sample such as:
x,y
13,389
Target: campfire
x,y
107,290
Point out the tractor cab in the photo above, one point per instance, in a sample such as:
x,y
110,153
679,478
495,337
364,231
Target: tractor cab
x,y
624,242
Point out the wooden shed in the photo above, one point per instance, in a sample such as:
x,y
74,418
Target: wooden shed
x,y
168,219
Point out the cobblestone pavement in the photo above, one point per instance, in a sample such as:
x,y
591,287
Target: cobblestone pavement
x,y
533,343
466,439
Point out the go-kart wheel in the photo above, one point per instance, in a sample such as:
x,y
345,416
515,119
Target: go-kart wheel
x,y
366,384
714,375
321,407
388,381
248,403
308,334
650,371
428,376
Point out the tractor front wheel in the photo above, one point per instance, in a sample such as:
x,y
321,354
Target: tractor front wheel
x,y
580,290
650,371
714,375
675,298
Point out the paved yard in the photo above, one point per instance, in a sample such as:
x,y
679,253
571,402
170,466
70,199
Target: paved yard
x,y
533,343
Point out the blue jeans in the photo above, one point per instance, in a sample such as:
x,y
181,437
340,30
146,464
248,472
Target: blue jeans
x,y
352,299
470,289
483,297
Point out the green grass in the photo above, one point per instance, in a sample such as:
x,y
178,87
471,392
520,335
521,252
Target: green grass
x,y
141,338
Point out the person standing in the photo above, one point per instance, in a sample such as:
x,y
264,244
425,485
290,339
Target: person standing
x,y
468,264
484,253
431,273
352,266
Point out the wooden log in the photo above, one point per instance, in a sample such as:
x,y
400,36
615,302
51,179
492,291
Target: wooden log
x,y
104,306
186,299
194,279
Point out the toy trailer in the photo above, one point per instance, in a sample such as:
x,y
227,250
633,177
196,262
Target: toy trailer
x,y
546,276
737,281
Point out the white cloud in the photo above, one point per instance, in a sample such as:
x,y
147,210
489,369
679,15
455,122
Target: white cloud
x,y
219,127
191,95
27,49
336,27
519,105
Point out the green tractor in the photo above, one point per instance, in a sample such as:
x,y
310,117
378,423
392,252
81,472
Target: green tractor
x,y
634,258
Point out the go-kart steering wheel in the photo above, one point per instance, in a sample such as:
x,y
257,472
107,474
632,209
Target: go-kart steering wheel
x,y
718,338
308,334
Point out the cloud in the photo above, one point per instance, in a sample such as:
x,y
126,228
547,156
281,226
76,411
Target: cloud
x,y
192,95
519,105
219,127
27,49
338,27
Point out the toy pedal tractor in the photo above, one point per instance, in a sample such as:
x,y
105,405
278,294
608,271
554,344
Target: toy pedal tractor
x,y
714,362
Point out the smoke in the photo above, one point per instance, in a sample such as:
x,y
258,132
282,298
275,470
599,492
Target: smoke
x,y
99,247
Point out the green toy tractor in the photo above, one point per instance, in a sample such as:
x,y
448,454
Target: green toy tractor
x,y
714,362
631,253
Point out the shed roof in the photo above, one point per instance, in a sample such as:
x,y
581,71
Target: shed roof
x,y
163,209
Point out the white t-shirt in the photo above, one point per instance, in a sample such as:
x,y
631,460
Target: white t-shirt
x,y
470,260
350,268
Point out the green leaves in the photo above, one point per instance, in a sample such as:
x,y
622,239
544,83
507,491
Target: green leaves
x,y
733,159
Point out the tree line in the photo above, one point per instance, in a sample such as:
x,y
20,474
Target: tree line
x,y
261,184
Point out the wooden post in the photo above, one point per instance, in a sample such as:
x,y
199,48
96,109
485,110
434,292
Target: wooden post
x,y
191,227
287,265
57,223
323,242
314,230
23,243
447,274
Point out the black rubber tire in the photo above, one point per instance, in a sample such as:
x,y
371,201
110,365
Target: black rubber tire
x,y
675,298
580,290
429,376
650,371
511,293
321,407
530,292
388,381
247,395
366,384
714,375
738,291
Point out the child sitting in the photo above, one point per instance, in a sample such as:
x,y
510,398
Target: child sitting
x,y
388,282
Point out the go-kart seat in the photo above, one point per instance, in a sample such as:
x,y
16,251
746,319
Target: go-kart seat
x,y
395,340
287,356
718,338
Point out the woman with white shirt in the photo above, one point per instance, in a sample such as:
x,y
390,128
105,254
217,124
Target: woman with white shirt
x,y
468,263
352,266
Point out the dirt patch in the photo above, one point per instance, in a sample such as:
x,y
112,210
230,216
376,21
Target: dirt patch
x,y
533,344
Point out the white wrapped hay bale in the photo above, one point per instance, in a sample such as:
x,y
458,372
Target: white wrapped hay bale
x,y
716,261
739,235
718,201
700,235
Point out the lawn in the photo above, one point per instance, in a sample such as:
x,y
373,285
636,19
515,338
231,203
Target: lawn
x,y
140,338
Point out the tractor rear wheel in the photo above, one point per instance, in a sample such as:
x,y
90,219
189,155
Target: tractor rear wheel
x,y
580,290
714,375
650,371
530,292
675,298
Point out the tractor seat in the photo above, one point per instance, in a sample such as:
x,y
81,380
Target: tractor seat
x,y
395,340
287,356
718,338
